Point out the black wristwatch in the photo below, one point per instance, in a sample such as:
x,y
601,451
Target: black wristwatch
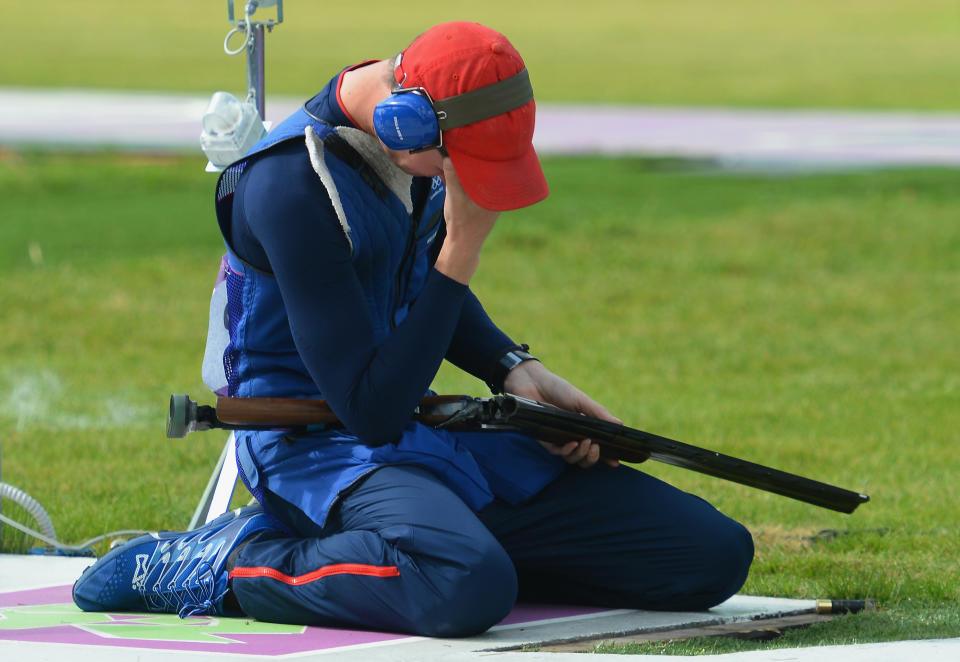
x,y
507,361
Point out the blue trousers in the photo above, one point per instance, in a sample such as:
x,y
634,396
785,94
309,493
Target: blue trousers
x,y
402,553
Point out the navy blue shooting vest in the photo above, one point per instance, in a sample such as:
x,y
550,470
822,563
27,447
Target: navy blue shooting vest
x,y
389,242
388,238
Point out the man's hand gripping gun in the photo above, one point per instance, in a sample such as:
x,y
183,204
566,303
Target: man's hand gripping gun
x,y
510,412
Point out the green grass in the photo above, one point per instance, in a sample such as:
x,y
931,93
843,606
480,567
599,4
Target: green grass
x,y
806,322
852,54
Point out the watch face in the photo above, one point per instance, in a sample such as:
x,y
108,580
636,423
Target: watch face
x,y
512,359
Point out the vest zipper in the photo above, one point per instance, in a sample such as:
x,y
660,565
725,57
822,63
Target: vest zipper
x,y
406,262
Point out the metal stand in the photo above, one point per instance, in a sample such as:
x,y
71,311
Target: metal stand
x,y
220,488
253,30
255,70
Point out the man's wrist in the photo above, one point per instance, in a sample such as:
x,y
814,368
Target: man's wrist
x,y
507,361
458,265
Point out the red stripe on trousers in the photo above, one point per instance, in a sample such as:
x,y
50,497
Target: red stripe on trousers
x,y
325,571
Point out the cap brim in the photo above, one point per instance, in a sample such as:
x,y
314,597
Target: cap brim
x,y
502,185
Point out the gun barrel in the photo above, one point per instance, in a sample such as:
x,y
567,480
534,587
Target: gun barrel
x,y
535,416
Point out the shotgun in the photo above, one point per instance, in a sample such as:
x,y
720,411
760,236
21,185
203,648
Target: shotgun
x,y
511,412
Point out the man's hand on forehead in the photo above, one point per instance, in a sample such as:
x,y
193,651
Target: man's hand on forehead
x,y
468,225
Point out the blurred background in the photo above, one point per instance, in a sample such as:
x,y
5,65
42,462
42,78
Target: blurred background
x,y
890,54
758,83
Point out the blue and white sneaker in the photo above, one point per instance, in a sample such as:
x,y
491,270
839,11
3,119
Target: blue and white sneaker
x,y
169,572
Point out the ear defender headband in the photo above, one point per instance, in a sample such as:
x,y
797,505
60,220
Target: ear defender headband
x,y
409,119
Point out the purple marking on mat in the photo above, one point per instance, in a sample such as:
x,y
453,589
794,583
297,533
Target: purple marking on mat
x,y
309,639
37,596
530,613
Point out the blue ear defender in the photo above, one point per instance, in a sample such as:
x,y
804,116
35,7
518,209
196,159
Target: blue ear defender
x,y
410,120
406,120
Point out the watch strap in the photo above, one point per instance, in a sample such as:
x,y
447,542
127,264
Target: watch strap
x,y
507,361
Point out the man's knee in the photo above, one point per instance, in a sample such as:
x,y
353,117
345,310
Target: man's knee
x,y
726,552
699,570
476,594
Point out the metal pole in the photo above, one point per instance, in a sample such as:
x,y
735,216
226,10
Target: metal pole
x,y
255,70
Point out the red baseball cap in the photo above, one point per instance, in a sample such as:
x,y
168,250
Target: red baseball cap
x,y
494,158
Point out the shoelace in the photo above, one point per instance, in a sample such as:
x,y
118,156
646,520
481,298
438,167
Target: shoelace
x,y
185,600
200,602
